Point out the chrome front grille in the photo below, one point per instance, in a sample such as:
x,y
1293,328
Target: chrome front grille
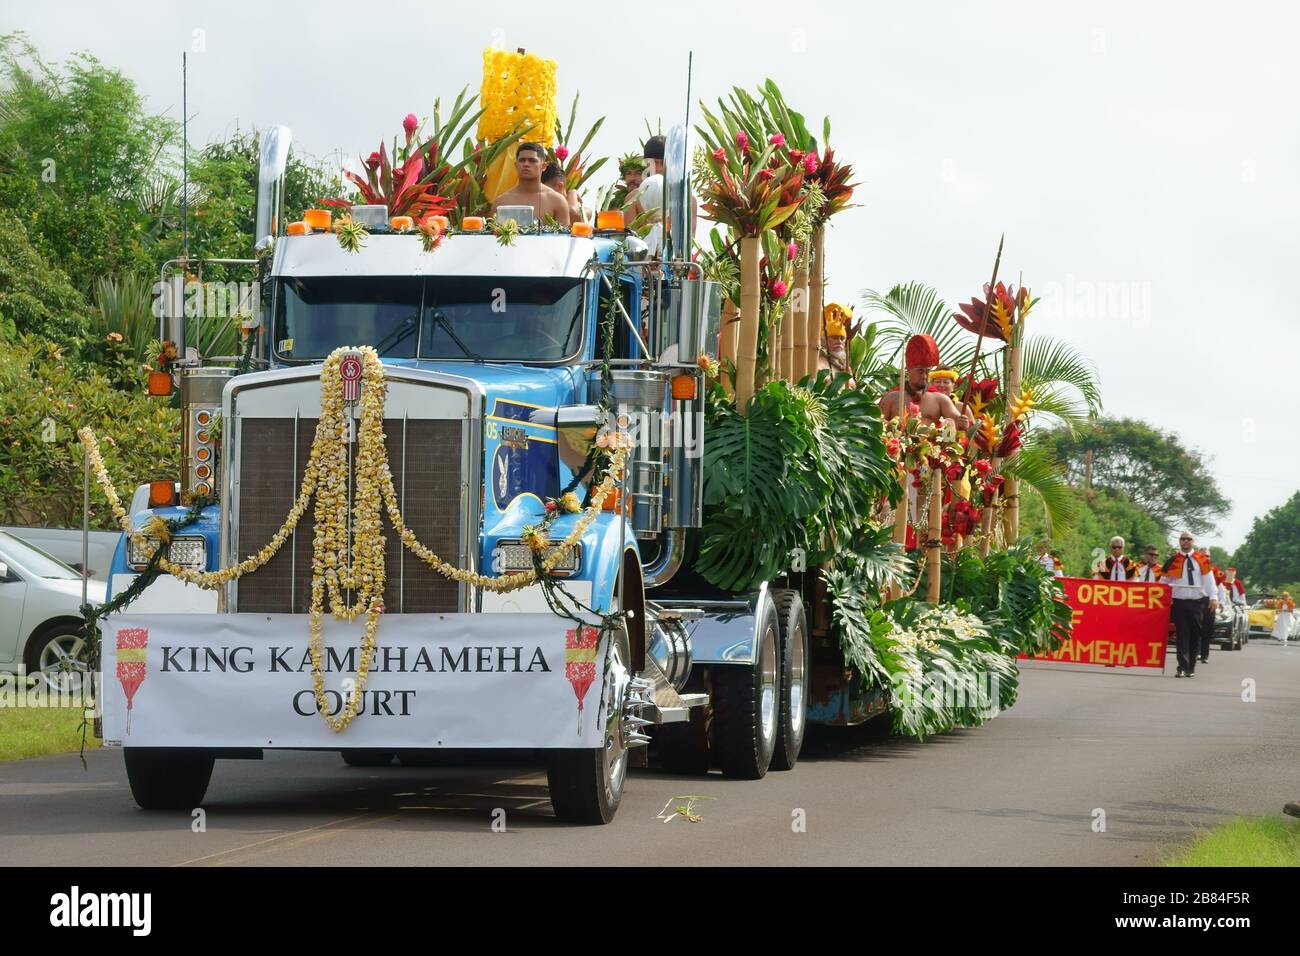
x,y
426,457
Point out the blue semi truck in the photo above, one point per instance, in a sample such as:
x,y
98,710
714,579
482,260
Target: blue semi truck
x,y
500,374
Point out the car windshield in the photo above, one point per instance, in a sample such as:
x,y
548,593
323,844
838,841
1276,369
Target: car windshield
x,y
482,318
34,560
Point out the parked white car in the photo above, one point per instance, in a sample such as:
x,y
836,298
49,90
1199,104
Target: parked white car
x,y
40,624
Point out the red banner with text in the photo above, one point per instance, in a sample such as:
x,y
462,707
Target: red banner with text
x,y
1116,624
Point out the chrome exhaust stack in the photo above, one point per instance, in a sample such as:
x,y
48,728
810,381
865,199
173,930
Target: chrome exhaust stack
x,y
272,159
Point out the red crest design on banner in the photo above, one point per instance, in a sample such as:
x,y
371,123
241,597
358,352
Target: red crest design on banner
x,y
132,655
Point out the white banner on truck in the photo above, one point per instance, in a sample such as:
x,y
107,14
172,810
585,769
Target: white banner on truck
x,y
438,680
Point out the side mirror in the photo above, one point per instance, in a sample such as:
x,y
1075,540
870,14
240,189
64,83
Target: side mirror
x,y
4,572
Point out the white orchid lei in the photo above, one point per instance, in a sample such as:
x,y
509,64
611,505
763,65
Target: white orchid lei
x,y
351,558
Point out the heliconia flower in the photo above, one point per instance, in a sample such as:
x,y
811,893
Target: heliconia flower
x,y
810,163
778,288
720,155
765,174
777,139
410,123
742,141
561,153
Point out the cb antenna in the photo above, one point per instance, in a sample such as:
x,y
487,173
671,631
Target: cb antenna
x,y
185,159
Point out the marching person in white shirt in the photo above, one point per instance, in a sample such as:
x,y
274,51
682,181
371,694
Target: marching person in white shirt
x,y
1117,566
1149,570
1191,576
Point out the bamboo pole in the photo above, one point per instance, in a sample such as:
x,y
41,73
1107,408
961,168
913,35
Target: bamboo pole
x,y
800,330
933,566
1011,516
727,346
747,335
901,516
986,526
816,298
787,343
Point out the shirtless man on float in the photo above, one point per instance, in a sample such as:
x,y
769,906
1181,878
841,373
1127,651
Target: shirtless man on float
x,y
530,161
922,355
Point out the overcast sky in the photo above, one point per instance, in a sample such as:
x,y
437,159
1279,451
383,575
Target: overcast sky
x,y
1142,158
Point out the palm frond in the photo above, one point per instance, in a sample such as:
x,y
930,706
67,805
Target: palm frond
x,y
1051,362
917,309
1046,479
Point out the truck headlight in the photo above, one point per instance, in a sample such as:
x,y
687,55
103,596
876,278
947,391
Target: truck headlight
x,y
188,551
514,556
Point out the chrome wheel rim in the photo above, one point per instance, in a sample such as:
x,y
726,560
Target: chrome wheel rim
x,y
767,686
63,661
797,684
614,752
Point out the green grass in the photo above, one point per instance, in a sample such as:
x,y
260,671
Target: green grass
x,y
1264,842
33,731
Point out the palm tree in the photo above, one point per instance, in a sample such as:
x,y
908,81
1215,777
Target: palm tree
x,y
1067,390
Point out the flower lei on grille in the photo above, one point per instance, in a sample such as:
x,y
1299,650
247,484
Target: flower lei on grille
x,y
349,555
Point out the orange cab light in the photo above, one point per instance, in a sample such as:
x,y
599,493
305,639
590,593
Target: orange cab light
x,y
440,222
202,471
611,219
298,229
203,418
683,386
159,383
580,229
162,494
203,454
316,219
203,437
401,224
471,224
203,488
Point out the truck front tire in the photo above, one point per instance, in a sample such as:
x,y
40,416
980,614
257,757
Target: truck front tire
x,y
167,779
747,704
793,718
587,784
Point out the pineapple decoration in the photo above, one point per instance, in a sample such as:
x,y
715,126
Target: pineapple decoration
x,y
518,88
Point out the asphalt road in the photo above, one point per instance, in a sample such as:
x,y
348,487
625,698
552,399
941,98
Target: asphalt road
x,y
1161,757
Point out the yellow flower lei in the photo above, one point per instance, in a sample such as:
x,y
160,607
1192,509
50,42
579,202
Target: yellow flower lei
x,y
350,556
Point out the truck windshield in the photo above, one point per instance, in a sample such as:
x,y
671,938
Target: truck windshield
x,y
443,317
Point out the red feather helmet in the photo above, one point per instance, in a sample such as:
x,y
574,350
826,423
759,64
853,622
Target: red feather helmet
x,y
922,352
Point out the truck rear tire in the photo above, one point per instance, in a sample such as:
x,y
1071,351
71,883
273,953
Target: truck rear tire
x,y
167,779
747,703
587,784
793,718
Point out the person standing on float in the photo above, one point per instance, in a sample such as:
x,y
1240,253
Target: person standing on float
x,y
1191,577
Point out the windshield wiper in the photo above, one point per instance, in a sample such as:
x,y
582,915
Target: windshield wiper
x,y
398,335
441,320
